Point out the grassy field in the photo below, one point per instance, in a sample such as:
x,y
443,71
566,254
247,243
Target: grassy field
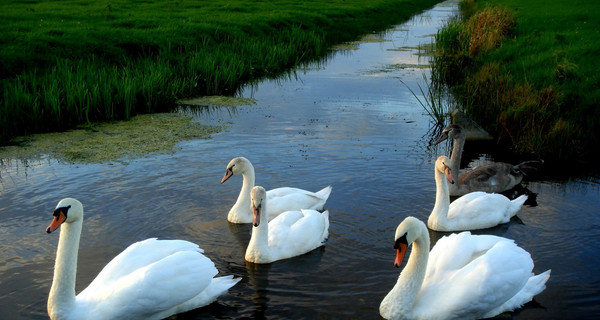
x,y
68,62
528,72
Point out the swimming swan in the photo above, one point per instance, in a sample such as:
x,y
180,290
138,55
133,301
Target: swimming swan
x,y
280,199
290,234
151,279
475,210
463,277
489,177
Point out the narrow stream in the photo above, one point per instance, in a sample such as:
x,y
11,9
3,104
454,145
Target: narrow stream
x,y
346,122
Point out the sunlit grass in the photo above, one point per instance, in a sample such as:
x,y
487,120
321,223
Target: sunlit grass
x,y
70,62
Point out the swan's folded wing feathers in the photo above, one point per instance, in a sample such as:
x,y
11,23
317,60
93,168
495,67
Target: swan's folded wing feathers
x,y
138,255
465,199
494,275
279,227
286,198
481,205
159,286
455,251
302,231
287,191
286,218
451,252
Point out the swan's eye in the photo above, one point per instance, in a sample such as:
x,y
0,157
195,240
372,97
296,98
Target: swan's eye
x,y
64,211
399,241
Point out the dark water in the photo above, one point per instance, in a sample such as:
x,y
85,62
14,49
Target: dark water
x,y
348,122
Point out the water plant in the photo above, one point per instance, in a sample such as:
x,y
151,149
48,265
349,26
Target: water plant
x,y
435,100
112,141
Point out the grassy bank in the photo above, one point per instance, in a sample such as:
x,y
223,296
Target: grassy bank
x,y
70,62
527,71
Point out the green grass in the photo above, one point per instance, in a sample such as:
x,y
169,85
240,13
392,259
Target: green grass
x,y
70,62
536,89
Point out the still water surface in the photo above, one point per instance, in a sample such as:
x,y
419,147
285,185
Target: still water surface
x,y
346,122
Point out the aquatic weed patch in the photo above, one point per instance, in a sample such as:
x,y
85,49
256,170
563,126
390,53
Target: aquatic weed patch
x,y
218,101
106,142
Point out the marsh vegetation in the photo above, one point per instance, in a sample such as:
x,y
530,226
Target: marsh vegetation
x,y
527,72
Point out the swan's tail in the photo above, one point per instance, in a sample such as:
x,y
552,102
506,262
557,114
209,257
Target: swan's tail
x,y
325,192
326,229
217,287
516,204
534,286
537,283
529,167
222,284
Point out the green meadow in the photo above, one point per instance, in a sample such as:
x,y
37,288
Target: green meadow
x,y
527,71
72,62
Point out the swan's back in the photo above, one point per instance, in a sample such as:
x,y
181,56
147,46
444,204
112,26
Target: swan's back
x,y
138,255
288,199
297,232
148,280
469,275
479,210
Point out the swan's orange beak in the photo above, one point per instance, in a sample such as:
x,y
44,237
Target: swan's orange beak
x,y
400,254
56,222
256,215
449,175
228,174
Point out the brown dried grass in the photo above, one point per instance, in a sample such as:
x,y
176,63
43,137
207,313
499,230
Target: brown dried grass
x,y
486,29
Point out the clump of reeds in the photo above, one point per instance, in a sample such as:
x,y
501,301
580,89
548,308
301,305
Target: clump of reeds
x,y
435,100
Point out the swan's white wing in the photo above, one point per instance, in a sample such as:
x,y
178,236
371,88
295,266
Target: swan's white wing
x,y
467,275
481,206
276,193
313,228
297,232
156,287
469,197
286,198
279,227
138,255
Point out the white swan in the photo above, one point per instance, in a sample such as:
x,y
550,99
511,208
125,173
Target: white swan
x,y
280,199
463,277
489,177
290,234
475,210
151,279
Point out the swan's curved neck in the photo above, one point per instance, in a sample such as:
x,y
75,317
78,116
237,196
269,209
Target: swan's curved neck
x,y
258,247
401,299
455,157
62,292
439,214
243,206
